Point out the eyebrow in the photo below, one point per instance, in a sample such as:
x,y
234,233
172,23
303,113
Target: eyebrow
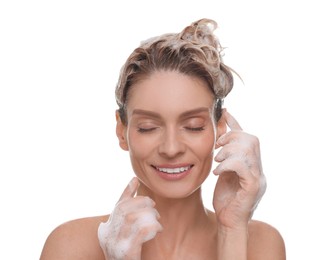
x,y
183,115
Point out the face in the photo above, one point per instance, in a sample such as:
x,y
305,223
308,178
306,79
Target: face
x,y
171,133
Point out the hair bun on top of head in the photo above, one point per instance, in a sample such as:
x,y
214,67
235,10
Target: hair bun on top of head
x,y
201,34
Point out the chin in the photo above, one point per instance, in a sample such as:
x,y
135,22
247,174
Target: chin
x,y
171,189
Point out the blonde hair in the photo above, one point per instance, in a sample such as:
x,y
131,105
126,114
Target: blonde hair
x,y
196,51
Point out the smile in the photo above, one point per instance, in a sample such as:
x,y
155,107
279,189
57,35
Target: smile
x,y
173,170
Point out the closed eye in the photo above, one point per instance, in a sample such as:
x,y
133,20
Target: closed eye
x,y
195,129
146,130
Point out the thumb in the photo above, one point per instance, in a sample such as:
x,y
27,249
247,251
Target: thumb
x,y
131,189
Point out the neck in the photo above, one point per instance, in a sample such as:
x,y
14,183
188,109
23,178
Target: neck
x,y
180,218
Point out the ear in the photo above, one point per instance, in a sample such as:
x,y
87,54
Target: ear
x,y
121,131
221,127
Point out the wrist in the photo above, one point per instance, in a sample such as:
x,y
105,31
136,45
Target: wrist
x,y
232,242
240,232
233,228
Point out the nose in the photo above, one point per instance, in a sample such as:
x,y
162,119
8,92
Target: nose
x,y
171,144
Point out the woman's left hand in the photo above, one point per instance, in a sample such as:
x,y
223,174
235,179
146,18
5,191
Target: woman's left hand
x,y
241,182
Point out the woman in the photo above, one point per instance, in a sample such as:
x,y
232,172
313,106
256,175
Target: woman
x,y
170,120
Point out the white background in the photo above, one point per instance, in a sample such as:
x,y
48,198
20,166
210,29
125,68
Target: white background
x,y
59,63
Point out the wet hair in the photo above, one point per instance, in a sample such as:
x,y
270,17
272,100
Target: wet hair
x,y
196,52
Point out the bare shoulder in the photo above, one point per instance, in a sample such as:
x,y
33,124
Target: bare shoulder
x,y
76,239
265,242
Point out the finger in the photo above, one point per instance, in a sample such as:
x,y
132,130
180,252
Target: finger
x,y
154,229
231,121
146,225
232,164
232,137
131,189
146,217
225,152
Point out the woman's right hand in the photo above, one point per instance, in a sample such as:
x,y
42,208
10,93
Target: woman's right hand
x,y
133,221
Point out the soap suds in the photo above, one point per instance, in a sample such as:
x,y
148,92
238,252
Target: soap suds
x,y
121,235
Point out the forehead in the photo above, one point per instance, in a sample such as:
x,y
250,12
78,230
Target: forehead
x,y
169,90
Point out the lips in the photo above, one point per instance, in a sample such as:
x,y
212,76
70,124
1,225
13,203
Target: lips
x,y
172,173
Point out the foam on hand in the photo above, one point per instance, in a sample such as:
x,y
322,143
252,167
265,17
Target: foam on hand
x,y
128,227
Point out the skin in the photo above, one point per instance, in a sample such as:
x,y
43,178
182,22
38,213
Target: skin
x,y
181,133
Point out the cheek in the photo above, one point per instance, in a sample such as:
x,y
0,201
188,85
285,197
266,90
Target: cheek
x,y
205,152
204,146
138,152
139,146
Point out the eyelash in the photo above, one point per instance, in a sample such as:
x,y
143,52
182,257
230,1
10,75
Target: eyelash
x,y
145,130
193,129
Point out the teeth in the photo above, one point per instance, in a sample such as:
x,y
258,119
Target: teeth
x,y
173,170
